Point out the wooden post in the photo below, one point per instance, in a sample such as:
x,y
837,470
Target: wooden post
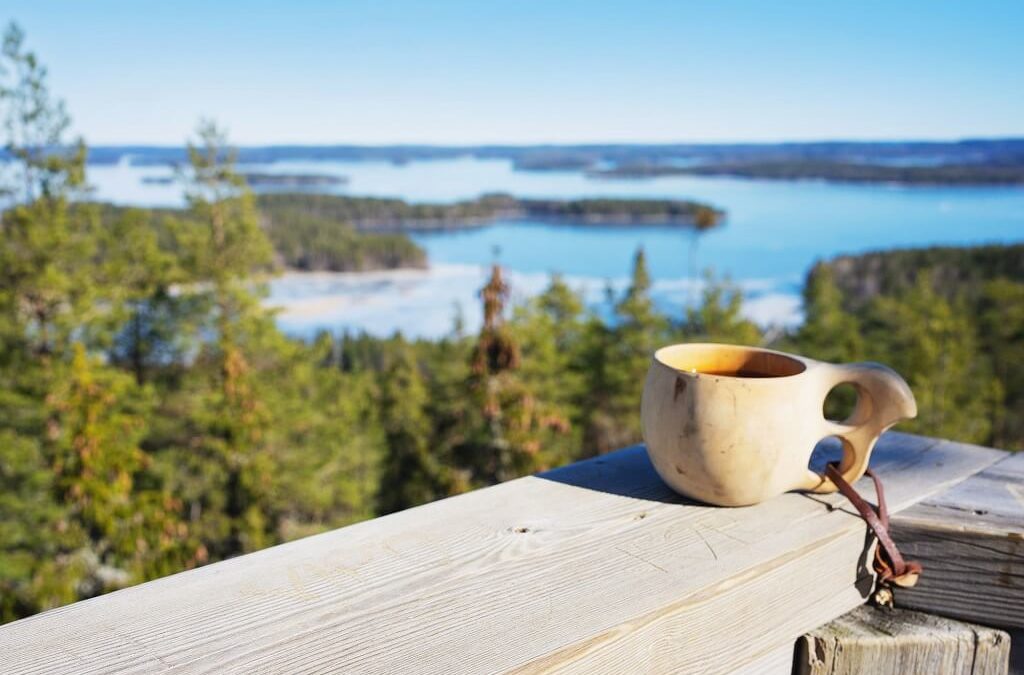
x,y
970,539
895,642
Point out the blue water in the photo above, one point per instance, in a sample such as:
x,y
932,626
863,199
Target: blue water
x,y
774,232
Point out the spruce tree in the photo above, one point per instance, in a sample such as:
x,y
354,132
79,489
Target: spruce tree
x,y
719,316
1000,313
549,329
505,426
828,332
933,344
411,473
617,358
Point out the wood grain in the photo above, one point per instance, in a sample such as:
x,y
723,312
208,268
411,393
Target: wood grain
x,y
970,539
895,642
596,567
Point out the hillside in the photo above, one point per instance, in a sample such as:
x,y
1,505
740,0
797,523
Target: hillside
x,y
953,270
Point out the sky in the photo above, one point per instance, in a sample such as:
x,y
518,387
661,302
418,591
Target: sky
x,y
529,71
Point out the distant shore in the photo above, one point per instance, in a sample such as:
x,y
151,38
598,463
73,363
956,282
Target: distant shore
x,y
945,175
270,180
998,161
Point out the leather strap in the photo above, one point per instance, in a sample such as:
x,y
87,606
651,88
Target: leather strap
x,y
889,562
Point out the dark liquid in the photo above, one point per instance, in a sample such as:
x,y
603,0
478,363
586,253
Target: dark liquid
x,y
737,373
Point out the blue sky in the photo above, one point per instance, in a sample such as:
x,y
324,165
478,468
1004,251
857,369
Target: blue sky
x,y
532,71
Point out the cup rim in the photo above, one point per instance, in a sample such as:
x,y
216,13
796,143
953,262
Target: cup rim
x,y
660,354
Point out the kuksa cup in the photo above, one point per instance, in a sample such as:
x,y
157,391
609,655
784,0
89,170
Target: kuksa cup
x,y
734,426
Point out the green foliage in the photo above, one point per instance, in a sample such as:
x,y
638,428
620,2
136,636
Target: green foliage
x,y
313,242
411,473
950,319
1000,325
376,214
504,427
153,418
934,344
718,317
616,358
828,332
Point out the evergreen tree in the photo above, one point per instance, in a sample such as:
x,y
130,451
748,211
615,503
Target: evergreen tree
x,y
549,329
505,426
411,473
617,358
719,316
78,522
1001,336
933,344
46,245
225,251
828,332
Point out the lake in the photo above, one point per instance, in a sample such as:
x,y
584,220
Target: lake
x,y
774,232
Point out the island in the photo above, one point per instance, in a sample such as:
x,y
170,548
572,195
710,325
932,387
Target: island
x,y
375,214
270,180
835,171
336,233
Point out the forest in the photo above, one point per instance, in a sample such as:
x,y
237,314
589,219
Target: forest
x,y
382,214
154,419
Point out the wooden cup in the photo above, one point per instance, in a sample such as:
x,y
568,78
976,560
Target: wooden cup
x,y
734,426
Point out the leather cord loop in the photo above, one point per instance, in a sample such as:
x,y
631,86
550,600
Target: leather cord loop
x,y
889,562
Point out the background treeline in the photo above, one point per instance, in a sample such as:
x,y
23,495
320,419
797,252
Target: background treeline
x,y
987,151
153,418
1009,172
383,214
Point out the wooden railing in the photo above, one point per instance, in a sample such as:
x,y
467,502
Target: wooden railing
x,y
592,568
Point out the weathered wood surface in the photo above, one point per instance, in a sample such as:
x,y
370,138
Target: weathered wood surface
x,y
896,642
970,539
593,568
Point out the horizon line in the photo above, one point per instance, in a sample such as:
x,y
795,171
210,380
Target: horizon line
x,y
580,144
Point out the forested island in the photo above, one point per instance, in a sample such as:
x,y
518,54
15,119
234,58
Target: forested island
x,y
845,172
318,232
375,214
269,180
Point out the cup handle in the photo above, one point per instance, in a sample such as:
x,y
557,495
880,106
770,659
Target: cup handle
x,y
883,399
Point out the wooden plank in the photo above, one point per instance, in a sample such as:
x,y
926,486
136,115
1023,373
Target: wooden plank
x,y
894,642
970,539
596,568
779,661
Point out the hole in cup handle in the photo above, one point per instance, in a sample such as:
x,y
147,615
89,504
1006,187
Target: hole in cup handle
x,y
884,398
